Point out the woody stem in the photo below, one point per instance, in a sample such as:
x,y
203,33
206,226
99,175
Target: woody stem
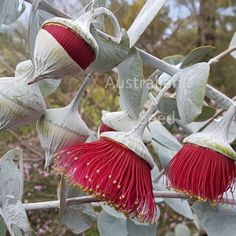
x,y
212,93
90,199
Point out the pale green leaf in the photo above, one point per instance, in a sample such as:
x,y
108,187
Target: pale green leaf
x,y
3,228
196,55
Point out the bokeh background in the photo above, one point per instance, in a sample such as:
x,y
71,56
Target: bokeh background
x,y
181,26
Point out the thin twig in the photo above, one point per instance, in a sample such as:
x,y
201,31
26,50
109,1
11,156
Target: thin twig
x,y
44,5
90,199
219,57
56,204
9,68
220,112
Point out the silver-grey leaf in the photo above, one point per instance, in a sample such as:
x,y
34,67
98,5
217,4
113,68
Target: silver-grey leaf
x,y
178,205
144,18
169,234
11,191
110,53
217,221
48,86
10,11
15,218
165,154
36,19
109,225
111,211
11,177
164,143
161,135
191,90
182,230
130,73
34,26
196,55
233,45
78,218
141,229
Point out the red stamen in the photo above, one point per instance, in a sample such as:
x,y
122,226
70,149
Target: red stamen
x,y
104,128
114,173
201,172
77,48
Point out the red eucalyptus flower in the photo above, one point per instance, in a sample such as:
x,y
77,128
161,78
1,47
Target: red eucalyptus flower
x,y
204,167
72,42
117,169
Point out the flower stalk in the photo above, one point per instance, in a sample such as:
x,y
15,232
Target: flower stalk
x,y
75,103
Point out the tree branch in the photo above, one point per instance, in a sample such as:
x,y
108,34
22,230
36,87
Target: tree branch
x,y
218,113
90,199
50,9
219,57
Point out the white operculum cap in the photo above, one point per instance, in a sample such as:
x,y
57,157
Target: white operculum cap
x,y
47,86
216,137
121,121
20,103
63,127
60,128
133,142
50,59
53,60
